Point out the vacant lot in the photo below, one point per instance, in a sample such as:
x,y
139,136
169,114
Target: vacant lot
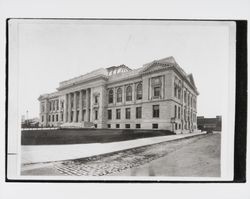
x,y
84,136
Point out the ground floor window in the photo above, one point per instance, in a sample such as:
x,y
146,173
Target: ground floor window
x,y
56,118
95,125
109,114
109,126
138,126
156,111
176,126
117,126
42,118
53,117
96,115
155,126
127,126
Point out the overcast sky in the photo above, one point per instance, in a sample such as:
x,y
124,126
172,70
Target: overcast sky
x,y
56,50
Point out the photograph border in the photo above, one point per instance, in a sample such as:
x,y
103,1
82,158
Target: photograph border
x,y
240,131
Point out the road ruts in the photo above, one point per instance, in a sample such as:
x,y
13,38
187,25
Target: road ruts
x,y
118,161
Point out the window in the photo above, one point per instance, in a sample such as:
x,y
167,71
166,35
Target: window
x,y
156,111
179,126
155,126
185,97
53,117
175,111
175,90
109,126
138,126
118,114
95,125
42,118
109,114
96,99
62,117
179,113
127,113
119,95
138,112
157,91
96,115
129,93
127,126
179,93
176,126
111,94
49,118
139,91
57,105
117,126
56,118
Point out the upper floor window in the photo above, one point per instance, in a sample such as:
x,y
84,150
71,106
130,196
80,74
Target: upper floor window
x,y
96,99
129,93
119,95
175,111
157,91
111,95
156,111
139,91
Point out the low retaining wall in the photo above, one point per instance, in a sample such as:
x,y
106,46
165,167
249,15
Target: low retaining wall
x,y
81,136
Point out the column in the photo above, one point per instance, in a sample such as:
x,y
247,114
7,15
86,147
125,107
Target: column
x,y
87,105
69,107
80,107
74,108
65,109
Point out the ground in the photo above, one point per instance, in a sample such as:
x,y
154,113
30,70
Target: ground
x,y
194,156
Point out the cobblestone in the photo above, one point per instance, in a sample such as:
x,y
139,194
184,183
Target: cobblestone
x,y
119,161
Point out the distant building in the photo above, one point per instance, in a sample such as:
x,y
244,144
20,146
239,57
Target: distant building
x,y
158,95
30,123
209,123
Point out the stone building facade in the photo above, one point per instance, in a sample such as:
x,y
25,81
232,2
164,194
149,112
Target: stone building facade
x,y
158,95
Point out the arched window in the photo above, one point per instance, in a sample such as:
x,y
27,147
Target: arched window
x,y
129,93
119,95
139,91
111,94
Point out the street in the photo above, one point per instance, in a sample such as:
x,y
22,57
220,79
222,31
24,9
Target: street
x,y
193,156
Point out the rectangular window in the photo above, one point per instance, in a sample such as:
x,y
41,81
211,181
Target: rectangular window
x,y
138,126
109,126
109,114
179,113
127,113
175,111
49,118
138,112
56,118
117,126
118,114
95,125
96,99
96,115
53,118
127,126
155,126
62,117
157,91
156,111
42,118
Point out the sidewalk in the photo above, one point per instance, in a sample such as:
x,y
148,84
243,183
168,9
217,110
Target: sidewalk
x,y
49,153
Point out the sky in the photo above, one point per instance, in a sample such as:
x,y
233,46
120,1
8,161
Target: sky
x,y
51,51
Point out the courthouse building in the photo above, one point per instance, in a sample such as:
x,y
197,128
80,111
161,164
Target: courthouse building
x,y
158,95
